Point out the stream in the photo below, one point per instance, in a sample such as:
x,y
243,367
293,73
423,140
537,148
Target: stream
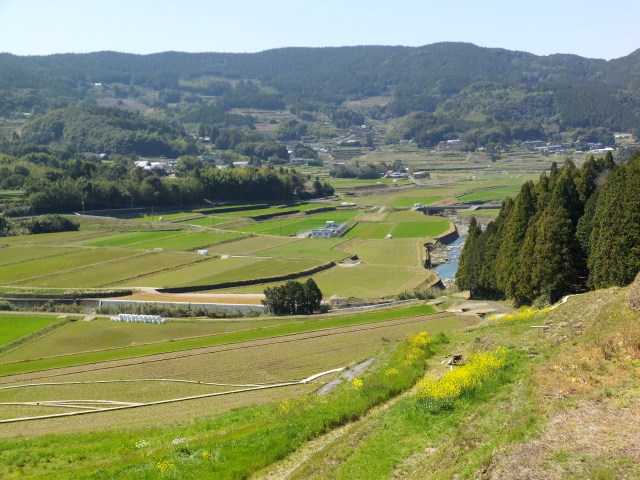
x,y
447,271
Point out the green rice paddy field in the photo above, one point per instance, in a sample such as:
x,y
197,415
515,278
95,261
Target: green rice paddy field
x,y
13,327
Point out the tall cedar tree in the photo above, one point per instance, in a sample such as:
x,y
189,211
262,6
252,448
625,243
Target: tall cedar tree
x,y
468,273
514,235
543,244
615,237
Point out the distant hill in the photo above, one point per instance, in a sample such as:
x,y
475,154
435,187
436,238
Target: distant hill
x,y
464,85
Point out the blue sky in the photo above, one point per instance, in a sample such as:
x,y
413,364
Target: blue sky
x,y
586,27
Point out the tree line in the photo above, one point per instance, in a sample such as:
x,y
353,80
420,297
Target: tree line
x,y
575,228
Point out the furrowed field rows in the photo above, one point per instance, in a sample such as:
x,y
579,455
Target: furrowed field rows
x,y
268,361
195,343
309,248
386,252
188,241
361,280
228,270
369,230
419,230
102,334
292,226
11,255
248,246
411,201
71,261
115,272
132,238
224,362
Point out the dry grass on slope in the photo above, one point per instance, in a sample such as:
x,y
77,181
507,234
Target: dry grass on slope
x,y
588,391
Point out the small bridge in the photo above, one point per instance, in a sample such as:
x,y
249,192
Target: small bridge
x,y
470,207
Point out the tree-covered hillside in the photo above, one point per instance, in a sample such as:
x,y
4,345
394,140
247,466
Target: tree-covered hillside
x,y
454,81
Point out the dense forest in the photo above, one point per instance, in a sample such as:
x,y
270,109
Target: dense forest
x,y
574,228
458,88
53,183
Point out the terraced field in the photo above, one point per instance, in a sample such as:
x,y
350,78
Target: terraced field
x,y
263,354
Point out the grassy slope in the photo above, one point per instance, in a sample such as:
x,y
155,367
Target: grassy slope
x,y
563,409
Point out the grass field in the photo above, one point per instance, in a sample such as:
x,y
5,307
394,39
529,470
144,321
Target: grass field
x,y
308,248
117,272
189,241
13,327
306,325
250,245
10,255
411,201
419,230
132,239
496,194
295,225
75,258
226,270
369,230
386,252
101,334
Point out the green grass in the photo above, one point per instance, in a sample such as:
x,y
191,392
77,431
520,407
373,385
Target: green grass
x,y
308,247
103,334
31,269
487,419
387,252
361,281
60,238
12,255
130,239
118,272
295,225
369,230
495,193
411,216
419,230
13,327
189,241
296,326
411,201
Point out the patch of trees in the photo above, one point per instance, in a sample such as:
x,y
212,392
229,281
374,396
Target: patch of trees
x,y
575,228
109,130
293,298
368,171
345,118
291,129
304,151
33,225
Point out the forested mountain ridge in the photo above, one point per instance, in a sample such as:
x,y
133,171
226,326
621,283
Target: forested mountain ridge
x,y
452,80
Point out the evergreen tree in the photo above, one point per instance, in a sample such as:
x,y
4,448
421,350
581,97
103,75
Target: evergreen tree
x,y
492,240
615,237
554,269
514,234
313,296
467,275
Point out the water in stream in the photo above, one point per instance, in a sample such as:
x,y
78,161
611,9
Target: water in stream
x,y
447,271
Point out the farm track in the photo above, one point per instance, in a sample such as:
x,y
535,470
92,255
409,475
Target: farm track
x,y
154,358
